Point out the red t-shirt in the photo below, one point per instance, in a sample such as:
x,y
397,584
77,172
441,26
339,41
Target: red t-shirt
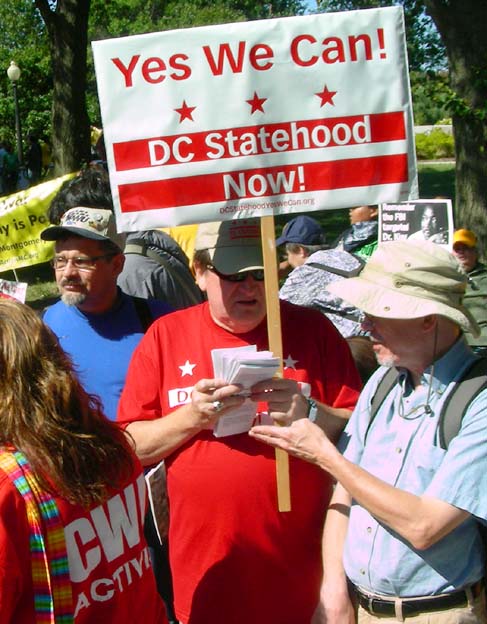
x,y
109,564
234,558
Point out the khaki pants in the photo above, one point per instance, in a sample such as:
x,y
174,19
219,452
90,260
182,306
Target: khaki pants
x,y
474,613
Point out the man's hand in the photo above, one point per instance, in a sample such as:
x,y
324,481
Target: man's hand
x,y
335,607
211,399
285,401
302,439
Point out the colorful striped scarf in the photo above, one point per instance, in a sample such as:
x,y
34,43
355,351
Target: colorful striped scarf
x,y
53,600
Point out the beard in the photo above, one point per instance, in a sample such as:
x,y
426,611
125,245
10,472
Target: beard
x,y
73,299
385,360
385,357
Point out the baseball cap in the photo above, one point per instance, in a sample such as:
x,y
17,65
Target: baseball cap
x,y
467,237
93,223
302,230
234,246
409,279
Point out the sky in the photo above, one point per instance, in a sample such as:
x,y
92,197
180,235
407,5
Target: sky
x,y
311,5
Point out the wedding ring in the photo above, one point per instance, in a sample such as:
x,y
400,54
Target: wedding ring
x,y
218,406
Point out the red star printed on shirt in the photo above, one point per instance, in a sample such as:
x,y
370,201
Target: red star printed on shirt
x,y
185,112
326,96
256,103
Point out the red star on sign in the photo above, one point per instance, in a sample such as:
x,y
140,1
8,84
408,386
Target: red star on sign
x,y
185,112
326,96
256,103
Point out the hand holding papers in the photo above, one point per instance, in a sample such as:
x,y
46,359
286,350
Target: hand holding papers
x,y
244,366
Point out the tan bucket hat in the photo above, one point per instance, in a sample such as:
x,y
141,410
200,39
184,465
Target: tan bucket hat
x,y
407,280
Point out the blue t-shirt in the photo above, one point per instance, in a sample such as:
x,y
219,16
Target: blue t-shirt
x,y
101,345
405,453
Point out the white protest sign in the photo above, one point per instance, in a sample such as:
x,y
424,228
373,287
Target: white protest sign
x,y
423,219
258,118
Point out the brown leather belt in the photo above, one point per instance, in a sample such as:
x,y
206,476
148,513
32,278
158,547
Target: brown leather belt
x,y
412,606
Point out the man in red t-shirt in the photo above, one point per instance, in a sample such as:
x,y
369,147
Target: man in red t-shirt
x,y
235,558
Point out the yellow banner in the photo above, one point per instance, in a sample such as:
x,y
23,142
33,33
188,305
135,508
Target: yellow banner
x,y
23,216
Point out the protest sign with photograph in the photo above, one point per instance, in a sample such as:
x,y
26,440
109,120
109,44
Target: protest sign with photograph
x,y
256,119
424,219
15,290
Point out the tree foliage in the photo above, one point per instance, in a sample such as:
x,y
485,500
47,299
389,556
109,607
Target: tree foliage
x,y
24,41
462,27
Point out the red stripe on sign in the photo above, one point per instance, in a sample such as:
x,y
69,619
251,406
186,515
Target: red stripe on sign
x,y
255,140
264,182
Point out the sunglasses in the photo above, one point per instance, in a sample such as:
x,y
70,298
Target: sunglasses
x,y
257,275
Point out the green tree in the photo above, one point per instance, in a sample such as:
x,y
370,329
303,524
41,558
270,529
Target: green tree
x,y
67,29
23,40
461,24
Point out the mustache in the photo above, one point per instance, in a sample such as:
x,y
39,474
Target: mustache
x,y
67,281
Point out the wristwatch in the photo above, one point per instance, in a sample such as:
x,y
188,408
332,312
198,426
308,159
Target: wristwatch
x,y
312,410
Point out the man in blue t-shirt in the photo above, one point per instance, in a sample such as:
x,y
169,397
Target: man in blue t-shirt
x,y
97,324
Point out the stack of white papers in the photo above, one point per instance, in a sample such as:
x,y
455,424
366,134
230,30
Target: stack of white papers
x,y
245,366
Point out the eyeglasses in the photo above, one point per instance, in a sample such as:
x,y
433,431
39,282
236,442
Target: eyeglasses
x,y
257,274
82,263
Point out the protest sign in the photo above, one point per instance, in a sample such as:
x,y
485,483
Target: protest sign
x,y
23,216
424,219
14,290
259,118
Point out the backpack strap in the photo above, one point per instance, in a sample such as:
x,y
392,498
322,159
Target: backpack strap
x,y
385,385
143,312
456,403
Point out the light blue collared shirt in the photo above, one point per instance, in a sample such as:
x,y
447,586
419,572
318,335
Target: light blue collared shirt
x,y
404,452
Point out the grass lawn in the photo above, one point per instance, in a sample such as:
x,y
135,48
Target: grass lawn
x,y
434,180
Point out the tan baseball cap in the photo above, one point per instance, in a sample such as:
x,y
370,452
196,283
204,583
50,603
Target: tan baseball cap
x,y
234,246
93,223
409,279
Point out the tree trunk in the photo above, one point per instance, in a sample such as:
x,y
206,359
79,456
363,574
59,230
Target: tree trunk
x,y
461,24
67,27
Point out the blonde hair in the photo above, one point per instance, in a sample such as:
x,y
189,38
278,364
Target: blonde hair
x,y
45,413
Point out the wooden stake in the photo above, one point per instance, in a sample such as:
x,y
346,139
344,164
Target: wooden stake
x,y
275,343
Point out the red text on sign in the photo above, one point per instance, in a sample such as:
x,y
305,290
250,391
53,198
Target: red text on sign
x,y
306,51
153,69
259,57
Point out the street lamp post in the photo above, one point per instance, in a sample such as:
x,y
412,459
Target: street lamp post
x,y
13,72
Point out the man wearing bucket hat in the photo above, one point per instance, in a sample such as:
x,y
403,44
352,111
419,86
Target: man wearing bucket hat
x,y
235,558
401,538
466,251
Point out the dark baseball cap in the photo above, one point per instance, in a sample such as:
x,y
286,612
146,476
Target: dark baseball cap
x,y
302,230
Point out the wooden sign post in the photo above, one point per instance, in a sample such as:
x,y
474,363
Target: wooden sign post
x,y
275,343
